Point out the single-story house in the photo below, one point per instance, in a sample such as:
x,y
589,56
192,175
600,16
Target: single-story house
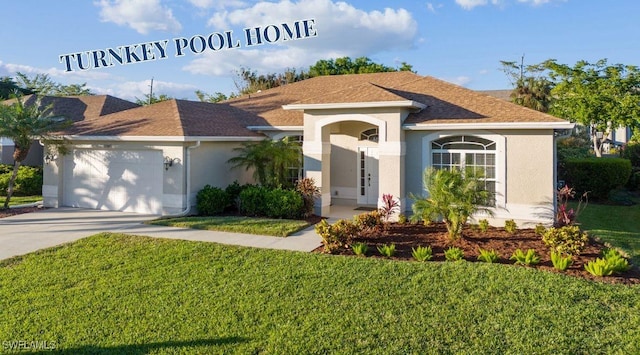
x,y
363,136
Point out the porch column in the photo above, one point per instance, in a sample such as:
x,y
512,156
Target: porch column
x,y
391,172
317,165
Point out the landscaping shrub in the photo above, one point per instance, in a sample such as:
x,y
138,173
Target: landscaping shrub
x,y
28,180
360,249
617,262
576,146
510,226
309,191
453,254
390,206
368,223
483,224
488,256
337,235
387,250
569,240
528,258
560,261
599,267
211,201
422,253
597,175
253,201
233,191
281,203
631,151
634,180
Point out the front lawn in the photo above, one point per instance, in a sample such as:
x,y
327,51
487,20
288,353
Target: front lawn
x,y
21,200
237,224
618,225
113,293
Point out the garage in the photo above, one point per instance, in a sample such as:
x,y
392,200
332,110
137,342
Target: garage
x,y
115,180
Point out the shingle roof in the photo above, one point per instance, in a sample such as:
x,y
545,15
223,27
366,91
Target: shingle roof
x,y
171,118
268,104
447,103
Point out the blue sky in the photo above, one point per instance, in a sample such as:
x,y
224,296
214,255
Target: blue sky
x,y
461,41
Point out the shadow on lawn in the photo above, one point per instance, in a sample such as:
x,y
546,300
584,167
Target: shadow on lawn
x,y
139,349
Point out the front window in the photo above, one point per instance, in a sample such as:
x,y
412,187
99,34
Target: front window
x,y
295,173
467,152
370,135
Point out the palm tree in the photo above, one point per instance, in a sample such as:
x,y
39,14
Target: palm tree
x,y
269,159
23,123
534,93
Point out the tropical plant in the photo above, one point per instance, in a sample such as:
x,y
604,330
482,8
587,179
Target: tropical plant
x,y
22,122
560,261
387,250
528,258
360,249
530,88
483,225
389,207
421,253
617,262
488,256
510,226
599,267
368,223
566,216
269,159
453,197
568,240
540,229
309,191
402,218
453,254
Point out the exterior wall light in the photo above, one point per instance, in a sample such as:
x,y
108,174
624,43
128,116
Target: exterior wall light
x,y
169,162
48,158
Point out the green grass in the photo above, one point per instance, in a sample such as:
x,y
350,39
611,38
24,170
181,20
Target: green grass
x,y
19,200
113,293
263,226
617,225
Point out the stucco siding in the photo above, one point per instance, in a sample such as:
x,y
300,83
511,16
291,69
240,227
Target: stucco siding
x,y
209,166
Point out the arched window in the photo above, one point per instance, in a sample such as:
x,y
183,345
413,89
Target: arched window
x,y
370,135
467,152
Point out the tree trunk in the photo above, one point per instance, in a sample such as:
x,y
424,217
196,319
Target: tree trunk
x,y
597,146
12,181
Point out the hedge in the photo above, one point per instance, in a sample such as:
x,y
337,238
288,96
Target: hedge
x,y
597,176
212,201
632,152
273,203
28,181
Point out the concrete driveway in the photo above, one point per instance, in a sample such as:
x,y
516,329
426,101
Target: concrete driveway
x,y
28,232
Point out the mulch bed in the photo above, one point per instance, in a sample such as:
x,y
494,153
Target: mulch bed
x,y
14,211
408,236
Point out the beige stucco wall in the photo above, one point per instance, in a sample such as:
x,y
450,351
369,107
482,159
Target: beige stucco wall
x,y
529,175
210,167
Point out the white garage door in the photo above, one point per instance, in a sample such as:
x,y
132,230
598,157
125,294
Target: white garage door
x,y
115,180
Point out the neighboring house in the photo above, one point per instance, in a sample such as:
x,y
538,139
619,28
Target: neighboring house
x,y
363,136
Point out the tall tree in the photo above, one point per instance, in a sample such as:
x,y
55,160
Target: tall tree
x,y
8,86
42,85
596,95
530,87
22,123
150,99
217,97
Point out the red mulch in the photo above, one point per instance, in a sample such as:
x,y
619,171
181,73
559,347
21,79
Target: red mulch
x,y
408,236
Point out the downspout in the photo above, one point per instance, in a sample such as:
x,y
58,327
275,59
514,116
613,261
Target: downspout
x,y
188,178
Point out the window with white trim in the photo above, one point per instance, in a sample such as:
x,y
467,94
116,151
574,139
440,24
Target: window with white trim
x,y
295,173
467,152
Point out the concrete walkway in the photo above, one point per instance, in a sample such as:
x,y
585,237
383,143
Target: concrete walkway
x,y
25,233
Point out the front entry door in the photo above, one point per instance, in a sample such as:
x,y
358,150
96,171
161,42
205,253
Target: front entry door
x,y
368,176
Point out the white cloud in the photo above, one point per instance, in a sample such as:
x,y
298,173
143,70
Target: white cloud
x,y
220,4
342,30
470,4
141,15
132,90
432,7
69,77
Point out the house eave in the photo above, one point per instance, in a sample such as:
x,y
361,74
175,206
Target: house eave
x,y
488,125
163,138
375,104
275,128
